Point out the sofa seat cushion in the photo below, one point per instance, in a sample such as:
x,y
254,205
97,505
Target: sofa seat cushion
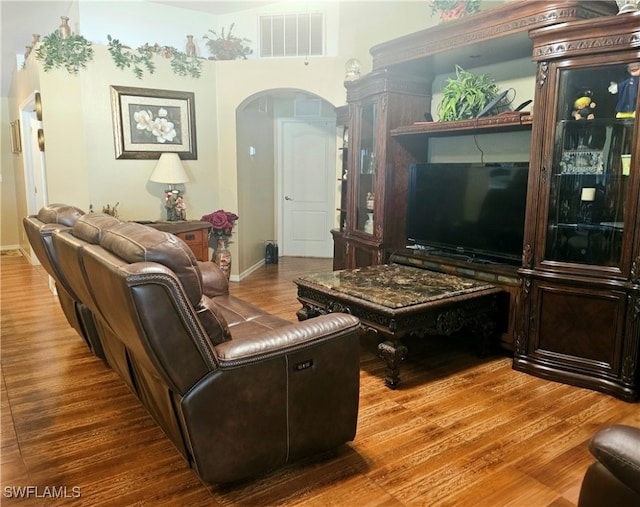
x,y
241,315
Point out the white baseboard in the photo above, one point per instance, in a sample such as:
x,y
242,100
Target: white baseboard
x,y
4,248
247,272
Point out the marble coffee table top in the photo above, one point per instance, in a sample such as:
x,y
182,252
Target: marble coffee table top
x,y
395,285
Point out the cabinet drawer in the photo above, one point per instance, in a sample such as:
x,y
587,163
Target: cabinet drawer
x,y
198,242
193,237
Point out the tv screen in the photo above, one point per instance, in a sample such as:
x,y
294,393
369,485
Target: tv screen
x,y
471,210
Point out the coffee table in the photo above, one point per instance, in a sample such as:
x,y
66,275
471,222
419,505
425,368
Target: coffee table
x,y
394,300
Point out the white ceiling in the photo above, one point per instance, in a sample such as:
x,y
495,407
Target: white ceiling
x,y
20,19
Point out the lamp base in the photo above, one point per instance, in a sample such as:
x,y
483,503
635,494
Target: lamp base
x,y
174,204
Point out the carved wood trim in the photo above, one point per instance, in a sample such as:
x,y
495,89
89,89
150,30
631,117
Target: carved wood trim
x,y
527,256
522,331
510,19
515,120
386,82
628,370
635,271
543,74
589,45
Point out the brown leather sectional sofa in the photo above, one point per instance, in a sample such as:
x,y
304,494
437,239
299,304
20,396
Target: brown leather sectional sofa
x,y
238,391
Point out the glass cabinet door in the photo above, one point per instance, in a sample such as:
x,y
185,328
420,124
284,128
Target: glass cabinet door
x,y
366,169
591,164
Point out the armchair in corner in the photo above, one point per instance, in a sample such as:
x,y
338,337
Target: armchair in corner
x,y
614,478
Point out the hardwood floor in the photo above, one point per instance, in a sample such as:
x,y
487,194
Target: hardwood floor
x,y
460,431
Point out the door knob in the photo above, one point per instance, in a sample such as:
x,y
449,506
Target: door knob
x,y
287,198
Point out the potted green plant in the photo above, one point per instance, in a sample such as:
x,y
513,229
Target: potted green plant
x,y
71,52
227,47
466,95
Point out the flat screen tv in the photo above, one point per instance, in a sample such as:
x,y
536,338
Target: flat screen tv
x,y
468,210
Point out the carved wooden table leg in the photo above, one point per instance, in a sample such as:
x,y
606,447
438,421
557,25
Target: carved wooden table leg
x,y
484,327
393,352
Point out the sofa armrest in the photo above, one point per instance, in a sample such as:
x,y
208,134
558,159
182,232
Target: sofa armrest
x,y
214,281
284,339
617,447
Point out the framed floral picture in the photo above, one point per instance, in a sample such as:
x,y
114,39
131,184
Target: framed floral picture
x,y
149,122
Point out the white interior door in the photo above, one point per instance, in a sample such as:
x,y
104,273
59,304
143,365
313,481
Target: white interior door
x,y
307,200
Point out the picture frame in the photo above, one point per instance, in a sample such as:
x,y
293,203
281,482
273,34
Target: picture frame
x,y
149,122
16,142
582,162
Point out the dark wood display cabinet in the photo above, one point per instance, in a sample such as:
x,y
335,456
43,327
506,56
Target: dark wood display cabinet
x,y
389,132
578,315
339,244
378,103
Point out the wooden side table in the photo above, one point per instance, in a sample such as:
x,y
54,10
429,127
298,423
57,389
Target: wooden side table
x,y
193,232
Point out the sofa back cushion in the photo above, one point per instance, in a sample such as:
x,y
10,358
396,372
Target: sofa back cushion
x,y
62,214
134,242
91,226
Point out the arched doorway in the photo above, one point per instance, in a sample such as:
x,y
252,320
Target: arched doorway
x,y
287,174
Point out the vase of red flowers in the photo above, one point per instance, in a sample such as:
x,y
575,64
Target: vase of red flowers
x,y
222,223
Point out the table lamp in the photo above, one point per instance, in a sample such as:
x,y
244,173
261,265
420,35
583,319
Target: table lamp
x,y
169,170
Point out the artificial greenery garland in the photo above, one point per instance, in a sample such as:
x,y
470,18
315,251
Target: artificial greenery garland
x,y
181,64
72,52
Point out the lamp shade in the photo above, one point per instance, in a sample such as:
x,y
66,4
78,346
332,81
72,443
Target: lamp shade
x,y
169,169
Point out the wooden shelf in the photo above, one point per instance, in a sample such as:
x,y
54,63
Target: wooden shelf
x,y
502,122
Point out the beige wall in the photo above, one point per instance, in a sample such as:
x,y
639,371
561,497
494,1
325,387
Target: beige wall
x,y
9,238
80,158
256,182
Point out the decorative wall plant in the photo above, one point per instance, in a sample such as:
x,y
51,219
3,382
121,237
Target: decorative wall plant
x,y
141,59
227,47
72,52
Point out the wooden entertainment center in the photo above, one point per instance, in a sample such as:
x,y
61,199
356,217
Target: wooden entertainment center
x,y
574,301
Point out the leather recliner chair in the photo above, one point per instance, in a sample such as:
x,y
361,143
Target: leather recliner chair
x,y
239,392
614,478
